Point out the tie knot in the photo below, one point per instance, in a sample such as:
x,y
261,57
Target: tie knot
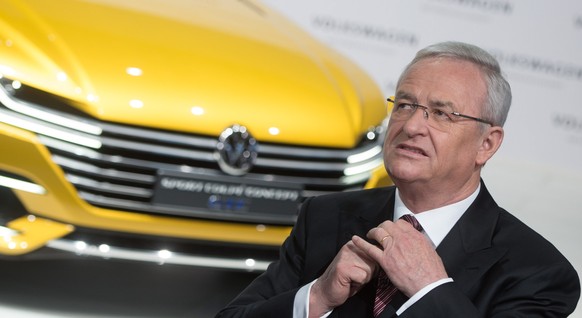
x,y
412,220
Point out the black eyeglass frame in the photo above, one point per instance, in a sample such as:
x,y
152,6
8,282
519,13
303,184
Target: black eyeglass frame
x,y
451,113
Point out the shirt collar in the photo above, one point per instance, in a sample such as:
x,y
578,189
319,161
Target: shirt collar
x,y
438,222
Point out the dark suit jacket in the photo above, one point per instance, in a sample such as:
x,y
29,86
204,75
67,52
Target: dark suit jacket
x,y
500,267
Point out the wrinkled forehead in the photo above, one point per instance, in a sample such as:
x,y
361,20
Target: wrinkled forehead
x,y
444,82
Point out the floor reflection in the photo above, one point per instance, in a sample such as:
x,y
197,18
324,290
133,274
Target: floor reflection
x,y
105,288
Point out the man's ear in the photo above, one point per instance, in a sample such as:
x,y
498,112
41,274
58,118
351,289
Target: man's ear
x,y
491,141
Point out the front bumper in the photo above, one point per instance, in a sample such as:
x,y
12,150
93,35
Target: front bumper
x,y
27,233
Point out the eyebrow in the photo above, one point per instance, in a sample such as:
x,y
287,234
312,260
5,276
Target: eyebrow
x,y
434,104
405,95
441,104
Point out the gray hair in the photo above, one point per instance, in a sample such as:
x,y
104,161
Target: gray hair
x,y
498,99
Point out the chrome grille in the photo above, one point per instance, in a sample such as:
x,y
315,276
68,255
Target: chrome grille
x,y
116,166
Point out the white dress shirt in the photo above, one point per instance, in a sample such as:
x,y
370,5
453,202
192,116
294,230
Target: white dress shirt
x,y
436,225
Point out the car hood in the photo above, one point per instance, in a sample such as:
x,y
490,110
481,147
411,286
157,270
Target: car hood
x,y
192,66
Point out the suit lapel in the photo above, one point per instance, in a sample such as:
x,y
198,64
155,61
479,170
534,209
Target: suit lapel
x,y
359,220
467,251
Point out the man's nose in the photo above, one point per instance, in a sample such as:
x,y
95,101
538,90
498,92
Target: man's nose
x,y
417,122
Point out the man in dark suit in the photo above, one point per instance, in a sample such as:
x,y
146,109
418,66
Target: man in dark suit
x,y
468,257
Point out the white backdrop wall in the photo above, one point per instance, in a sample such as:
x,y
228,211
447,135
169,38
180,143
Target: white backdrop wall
x,y
537,174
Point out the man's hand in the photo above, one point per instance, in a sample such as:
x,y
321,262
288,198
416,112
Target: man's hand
x,y
351,269
405,254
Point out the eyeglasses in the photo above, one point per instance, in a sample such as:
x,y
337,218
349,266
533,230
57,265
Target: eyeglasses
x,y
437,118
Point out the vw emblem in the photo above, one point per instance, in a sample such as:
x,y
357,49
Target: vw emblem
x,y
236,150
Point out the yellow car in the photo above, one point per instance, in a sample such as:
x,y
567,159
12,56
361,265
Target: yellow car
x,y
181,132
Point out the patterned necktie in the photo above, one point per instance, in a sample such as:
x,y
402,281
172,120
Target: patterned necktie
x,y
385,290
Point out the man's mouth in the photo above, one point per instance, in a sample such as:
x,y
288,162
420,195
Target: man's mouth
x,y
412,149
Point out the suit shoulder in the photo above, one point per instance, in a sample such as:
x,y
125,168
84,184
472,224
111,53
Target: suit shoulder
x,y
524,241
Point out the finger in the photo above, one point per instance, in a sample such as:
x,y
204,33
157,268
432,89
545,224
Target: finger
x,y
384,238
389,226
372,251
362,262
386,241
377,234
